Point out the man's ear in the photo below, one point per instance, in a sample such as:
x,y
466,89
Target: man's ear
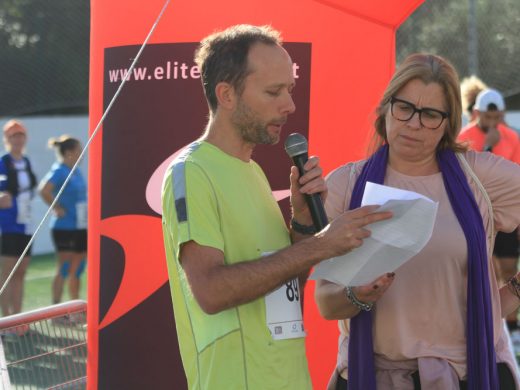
x,y
225,94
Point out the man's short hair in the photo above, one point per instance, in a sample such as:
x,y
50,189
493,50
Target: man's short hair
x,y
489,100
222,57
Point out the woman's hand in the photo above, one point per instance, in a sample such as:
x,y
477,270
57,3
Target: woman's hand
x,y
59,211
370,293
332,301
6,200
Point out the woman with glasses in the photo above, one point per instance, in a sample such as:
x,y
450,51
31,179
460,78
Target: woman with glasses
x,y
436,323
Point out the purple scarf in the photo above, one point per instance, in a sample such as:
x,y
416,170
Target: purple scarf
x,y
481,360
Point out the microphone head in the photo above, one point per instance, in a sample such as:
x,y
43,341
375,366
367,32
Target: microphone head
x,y
296,144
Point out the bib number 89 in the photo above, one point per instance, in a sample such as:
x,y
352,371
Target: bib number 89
x,y
292,290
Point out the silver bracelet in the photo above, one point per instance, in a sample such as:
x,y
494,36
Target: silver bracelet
x,y
356,302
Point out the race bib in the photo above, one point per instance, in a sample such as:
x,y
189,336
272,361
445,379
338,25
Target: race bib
x,y
23,203
81,215
284,312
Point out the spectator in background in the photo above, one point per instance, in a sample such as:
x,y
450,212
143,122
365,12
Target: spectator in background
x,y
17,182
69,222
470,87
487,132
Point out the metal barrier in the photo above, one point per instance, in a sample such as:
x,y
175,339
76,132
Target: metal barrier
x,y
45,348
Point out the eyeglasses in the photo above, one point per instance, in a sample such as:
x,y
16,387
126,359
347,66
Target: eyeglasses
x,y
428,117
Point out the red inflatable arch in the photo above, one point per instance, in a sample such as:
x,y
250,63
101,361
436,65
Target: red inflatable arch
x,y
344,55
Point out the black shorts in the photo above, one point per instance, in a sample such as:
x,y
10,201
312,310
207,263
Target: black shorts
x,y
506,244
70,240
13,244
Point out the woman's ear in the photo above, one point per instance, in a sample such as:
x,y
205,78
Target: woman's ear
x,y
225,94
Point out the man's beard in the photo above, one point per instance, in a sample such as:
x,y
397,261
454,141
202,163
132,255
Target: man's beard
x,y
253,129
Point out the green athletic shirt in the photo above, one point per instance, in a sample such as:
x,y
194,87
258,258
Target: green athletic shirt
x,y
222,202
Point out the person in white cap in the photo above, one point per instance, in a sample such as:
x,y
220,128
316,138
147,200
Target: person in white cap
x,y
488,132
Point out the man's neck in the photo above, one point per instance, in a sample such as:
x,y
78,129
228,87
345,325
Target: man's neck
x,y
224,136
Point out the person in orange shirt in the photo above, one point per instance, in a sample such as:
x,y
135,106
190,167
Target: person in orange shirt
x,y
488,132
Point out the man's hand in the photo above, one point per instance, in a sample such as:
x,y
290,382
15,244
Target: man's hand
x,y
6,200
348,230
311,182
492,138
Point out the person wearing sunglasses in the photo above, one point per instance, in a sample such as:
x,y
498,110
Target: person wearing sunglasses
x,y
436,322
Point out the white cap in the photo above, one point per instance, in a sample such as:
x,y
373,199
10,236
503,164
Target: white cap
x,y
487,97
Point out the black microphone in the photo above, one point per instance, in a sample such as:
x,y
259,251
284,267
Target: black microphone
x,y
297,148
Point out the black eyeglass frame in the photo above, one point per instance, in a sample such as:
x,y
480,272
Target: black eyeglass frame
x,y
443,114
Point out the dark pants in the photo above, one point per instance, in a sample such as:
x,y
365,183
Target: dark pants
x,y
505,378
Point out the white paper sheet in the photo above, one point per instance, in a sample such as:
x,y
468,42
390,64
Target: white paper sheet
x,y
392,243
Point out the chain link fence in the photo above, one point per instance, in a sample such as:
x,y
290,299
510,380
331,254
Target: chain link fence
x,y
45,57
479,37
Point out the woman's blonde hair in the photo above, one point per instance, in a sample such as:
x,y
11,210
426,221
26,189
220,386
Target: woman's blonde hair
x,y
428,68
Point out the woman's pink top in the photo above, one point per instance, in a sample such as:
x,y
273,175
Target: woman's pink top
x,y
420,321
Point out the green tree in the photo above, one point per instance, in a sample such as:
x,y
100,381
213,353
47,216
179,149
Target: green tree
x,y
441,27
45,56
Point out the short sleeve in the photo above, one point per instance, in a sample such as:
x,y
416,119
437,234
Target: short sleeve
x,y
501,179
336,186
190,209
56,177
340,183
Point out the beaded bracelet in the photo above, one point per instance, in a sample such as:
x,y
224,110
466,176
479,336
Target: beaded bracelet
x,y
356,302
514,286
302,229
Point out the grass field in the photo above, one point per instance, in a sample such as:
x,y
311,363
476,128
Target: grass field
x,y
51,352
38,281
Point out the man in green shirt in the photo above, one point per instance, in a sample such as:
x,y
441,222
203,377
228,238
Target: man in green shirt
x,y
235,268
